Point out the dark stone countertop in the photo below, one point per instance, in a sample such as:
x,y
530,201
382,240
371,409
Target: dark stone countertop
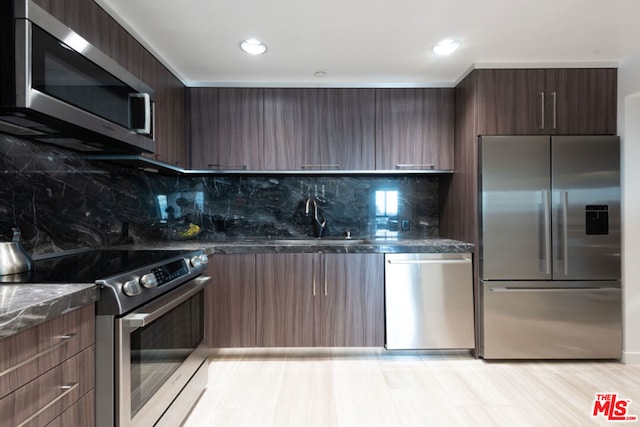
x,y
25,305
328,245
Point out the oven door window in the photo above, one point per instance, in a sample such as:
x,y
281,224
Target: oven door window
x,y
158,350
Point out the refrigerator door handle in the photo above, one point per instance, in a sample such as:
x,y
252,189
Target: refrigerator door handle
x,y
565,231
546,197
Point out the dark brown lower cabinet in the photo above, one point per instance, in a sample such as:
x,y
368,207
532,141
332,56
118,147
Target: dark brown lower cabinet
x,y
47,372
306,300
232,301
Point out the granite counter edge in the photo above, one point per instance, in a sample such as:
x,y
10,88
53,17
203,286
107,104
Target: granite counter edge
x,y
40,305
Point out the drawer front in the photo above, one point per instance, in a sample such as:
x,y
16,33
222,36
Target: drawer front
x,y
28,354
81,413
43,399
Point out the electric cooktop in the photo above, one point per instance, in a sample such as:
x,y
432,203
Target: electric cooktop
x,y
89,266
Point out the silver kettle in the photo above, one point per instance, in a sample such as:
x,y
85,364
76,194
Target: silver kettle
x,y
13,258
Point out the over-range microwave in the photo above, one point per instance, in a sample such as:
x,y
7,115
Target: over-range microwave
x,y
55,87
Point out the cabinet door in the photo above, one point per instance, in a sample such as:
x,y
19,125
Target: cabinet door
x,y
414,129
327,129
511,102
351,301
231,319
582,101
345,137
286,284
289,123
226,128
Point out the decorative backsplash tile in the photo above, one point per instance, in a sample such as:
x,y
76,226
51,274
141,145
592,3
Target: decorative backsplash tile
x,y
61,201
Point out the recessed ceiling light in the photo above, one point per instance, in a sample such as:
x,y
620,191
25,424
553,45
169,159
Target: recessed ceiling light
x,y
253,47
320,74
446,47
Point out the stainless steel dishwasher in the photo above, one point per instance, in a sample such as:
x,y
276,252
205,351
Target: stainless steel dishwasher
x,y
429,301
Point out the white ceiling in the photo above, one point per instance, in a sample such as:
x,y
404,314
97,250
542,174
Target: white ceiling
x,y
374,42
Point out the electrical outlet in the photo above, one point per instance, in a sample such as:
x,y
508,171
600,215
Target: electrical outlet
x,y
405,225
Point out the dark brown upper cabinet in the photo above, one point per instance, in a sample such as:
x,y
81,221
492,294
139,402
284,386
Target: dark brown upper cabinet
x,y
319,129
414,129
549,102
227,128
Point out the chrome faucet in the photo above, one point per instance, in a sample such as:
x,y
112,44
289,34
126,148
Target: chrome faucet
x,y
319,225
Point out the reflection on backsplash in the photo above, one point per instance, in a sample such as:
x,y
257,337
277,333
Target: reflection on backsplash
x,y
274,206
62,202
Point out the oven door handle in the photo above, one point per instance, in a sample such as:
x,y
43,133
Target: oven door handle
x,y
164,304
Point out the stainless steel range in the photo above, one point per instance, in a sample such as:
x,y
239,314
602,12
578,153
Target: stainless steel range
x,y
150,346
150,333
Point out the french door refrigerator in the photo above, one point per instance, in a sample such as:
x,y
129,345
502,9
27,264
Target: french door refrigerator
x,y
550,247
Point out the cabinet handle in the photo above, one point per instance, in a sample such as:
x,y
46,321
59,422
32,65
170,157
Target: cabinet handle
x,y
320,166
326,287
313,276
555,110
227,167
542,110
68,388
63,340
415,166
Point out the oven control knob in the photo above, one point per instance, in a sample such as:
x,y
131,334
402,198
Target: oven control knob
x,y
196,261
131,288
149,280
204,259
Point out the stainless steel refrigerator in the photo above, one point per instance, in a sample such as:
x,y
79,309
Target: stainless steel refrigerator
x,y
550,247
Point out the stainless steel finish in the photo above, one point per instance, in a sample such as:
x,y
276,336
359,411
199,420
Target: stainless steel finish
x,y
515,175
554,126
64,339
120,318
68,388
180,408
131,288
313,276
564,242
586,171
149,280
569,307
145,129
154,310
31,99
429,301
13,258
546,195
551,320
326,279
320,166
542,110
319,224
173,386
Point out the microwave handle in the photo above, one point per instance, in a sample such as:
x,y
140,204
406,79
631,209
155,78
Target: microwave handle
x,y
140,113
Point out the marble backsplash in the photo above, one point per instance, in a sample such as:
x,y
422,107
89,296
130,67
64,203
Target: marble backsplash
x,y
62,202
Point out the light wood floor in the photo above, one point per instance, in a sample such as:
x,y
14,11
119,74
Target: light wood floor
x,y
365,387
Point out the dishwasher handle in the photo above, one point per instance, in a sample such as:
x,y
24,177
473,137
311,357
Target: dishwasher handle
x,y
429,261
499,289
